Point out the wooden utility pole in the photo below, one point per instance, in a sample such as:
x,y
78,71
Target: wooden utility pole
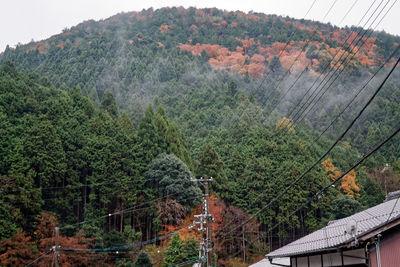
x,y
205,249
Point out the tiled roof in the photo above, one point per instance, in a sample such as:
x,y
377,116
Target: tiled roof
x,y
333,235
266,263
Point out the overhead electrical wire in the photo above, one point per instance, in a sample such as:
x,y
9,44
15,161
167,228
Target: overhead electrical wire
x,y
306,68
300,53
289,124
127,210
280,53
336,68
325,68
347,13
76,186
321,157
39,258
324,131
329,227
124,247
310,107
319,194
357,92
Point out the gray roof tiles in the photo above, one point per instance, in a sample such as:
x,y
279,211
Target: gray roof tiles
x,y
333,235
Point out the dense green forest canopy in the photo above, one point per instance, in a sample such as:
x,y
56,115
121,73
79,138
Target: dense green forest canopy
x,y
109,117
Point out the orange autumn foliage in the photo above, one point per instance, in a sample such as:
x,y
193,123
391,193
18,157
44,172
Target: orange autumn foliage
x,y
285,124
164,28
67,259
294,60
45,233
18,250
216,207
224,59
348,182
333,173
352,37
258,59
276,49
253,17
315,63
304,28
349,185
217,210
255,69
246,43
239,49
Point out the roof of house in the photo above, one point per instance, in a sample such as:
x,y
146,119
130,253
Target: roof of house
x,y
334,234
266,263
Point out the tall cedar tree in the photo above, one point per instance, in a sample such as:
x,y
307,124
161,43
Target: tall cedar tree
x,y
211,165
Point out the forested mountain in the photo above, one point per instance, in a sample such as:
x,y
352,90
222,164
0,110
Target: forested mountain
x,y
102,121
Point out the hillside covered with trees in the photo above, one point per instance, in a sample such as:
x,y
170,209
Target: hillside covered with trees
x,y
103,125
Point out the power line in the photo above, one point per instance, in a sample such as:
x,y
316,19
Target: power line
x,y
330,227
306,68
280,53
302,114
344,17
290,123
130,209
340,112
77,186
297,57
124,247
321,157
301,111
320,193
330,62
324,131
39,258
394,206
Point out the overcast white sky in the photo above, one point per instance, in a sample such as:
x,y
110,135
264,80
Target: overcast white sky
x,y
24,20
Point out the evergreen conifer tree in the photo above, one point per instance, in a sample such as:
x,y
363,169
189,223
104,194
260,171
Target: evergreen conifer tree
x,y
143,260
211,165
108,103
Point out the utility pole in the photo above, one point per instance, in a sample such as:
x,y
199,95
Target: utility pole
x,y
204,221
55,259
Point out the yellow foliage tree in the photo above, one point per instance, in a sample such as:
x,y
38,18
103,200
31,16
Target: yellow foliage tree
x,y
348,185
285,124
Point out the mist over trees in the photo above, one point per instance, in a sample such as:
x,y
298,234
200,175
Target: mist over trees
x,y
103,125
